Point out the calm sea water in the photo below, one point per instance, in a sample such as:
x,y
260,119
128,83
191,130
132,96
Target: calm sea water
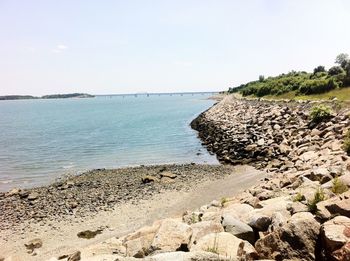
x,y
42,139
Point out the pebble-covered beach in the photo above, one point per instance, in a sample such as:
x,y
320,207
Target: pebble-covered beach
x,y
100,190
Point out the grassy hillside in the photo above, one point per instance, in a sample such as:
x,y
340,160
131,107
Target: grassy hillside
x,y
320,83
342,94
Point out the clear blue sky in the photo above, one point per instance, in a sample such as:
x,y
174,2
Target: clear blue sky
x,y
129,46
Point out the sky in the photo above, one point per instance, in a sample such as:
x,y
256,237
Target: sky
x,y
112,46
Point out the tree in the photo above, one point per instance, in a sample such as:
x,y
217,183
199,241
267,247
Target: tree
x,y
261,78
346,81
342,59
319,68
335,70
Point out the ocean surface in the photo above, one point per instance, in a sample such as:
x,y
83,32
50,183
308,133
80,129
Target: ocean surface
x,y
41,140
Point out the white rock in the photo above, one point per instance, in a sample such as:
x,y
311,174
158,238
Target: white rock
x,y
171,235
224,244
203,228
186,256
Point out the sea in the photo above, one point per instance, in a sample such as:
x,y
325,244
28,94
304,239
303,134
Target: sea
x,y
44,139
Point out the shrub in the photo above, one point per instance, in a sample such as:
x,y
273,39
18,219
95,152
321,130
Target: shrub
x,y
318,197
319,81
194,218
346,143
263,90
338,186
320,113
273,85
298,197
319,68
346,80
315,86
249,91
335,70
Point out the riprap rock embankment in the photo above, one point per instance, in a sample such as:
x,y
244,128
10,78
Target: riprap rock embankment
x,y
272,135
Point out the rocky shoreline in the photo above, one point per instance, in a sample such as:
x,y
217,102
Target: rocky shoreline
x,y
300,211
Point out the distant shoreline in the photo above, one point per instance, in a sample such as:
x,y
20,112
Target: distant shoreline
x,y
51,96
85,95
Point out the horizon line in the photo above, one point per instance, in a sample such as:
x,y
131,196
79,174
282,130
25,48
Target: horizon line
x,y
111,94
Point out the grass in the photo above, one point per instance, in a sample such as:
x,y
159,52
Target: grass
x,y
223,201
339,186
194,218
318,197
346,143
298,197
342,94
214,248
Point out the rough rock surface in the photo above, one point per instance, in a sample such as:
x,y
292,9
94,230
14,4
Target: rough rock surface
x,y
295,239
172,235
336,237
225,244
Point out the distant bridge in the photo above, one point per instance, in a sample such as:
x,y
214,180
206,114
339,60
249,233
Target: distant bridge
x,y
160,94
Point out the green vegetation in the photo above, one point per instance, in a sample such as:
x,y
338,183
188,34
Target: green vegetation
x,y
194,218
223,201
301,83
346,143
17,97
318,197
214,248
298,197
341,94
338,186
52,96
69,95
320,113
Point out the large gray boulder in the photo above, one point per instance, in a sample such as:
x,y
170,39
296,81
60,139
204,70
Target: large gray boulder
x,y
261,218
237,210
336,235
339,205
238,228
296,239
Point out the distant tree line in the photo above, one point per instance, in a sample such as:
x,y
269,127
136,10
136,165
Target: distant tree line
x,y
51,96
319,81
69,95
17,97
